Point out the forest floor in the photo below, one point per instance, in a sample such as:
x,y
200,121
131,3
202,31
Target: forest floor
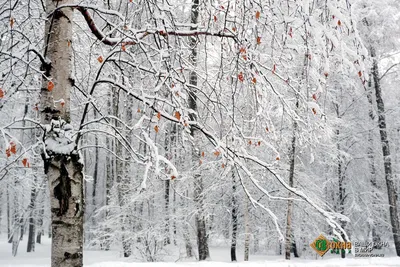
x,y
220,257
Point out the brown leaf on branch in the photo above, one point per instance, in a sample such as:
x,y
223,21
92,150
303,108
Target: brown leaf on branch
x,y
177,115
13,148
25,162
50,86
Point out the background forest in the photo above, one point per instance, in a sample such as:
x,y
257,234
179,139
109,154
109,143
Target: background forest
x,y
169,127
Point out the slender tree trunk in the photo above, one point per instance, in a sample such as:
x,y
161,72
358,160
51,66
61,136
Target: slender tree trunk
x,y
32,212
341,189
234,218
96,169
62,162
16,220
186,233
289,236
9,231
167,239
371,160
202,238
391,190
246,230
39,224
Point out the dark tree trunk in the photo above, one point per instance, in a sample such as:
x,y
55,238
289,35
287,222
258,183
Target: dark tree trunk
x,y
371,160
391,190
31,229
234,219
202,238
9,231
289,235
39,224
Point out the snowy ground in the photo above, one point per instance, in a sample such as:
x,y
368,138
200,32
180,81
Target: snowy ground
x,y
220,258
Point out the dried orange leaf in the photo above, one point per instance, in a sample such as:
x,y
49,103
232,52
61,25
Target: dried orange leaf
x,y
13,148
177,115
278,158
173,177
50,86
100,59
1,93
223,165
159,116
11,22
254,80
216,153
202,154
259,40
258,14
24,161
156,128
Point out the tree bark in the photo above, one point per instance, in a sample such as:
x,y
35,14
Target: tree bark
x,y
246,231
202,238
167,239
391,190
31,229
62,162
234,218
341,189
371,162
289,237
9,231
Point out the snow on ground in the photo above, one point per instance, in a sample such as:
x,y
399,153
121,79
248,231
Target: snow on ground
x,y
220,257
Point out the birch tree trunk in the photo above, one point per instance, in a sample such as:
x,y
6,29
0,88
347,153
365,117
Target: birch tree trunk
x,y
62,163
391,190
